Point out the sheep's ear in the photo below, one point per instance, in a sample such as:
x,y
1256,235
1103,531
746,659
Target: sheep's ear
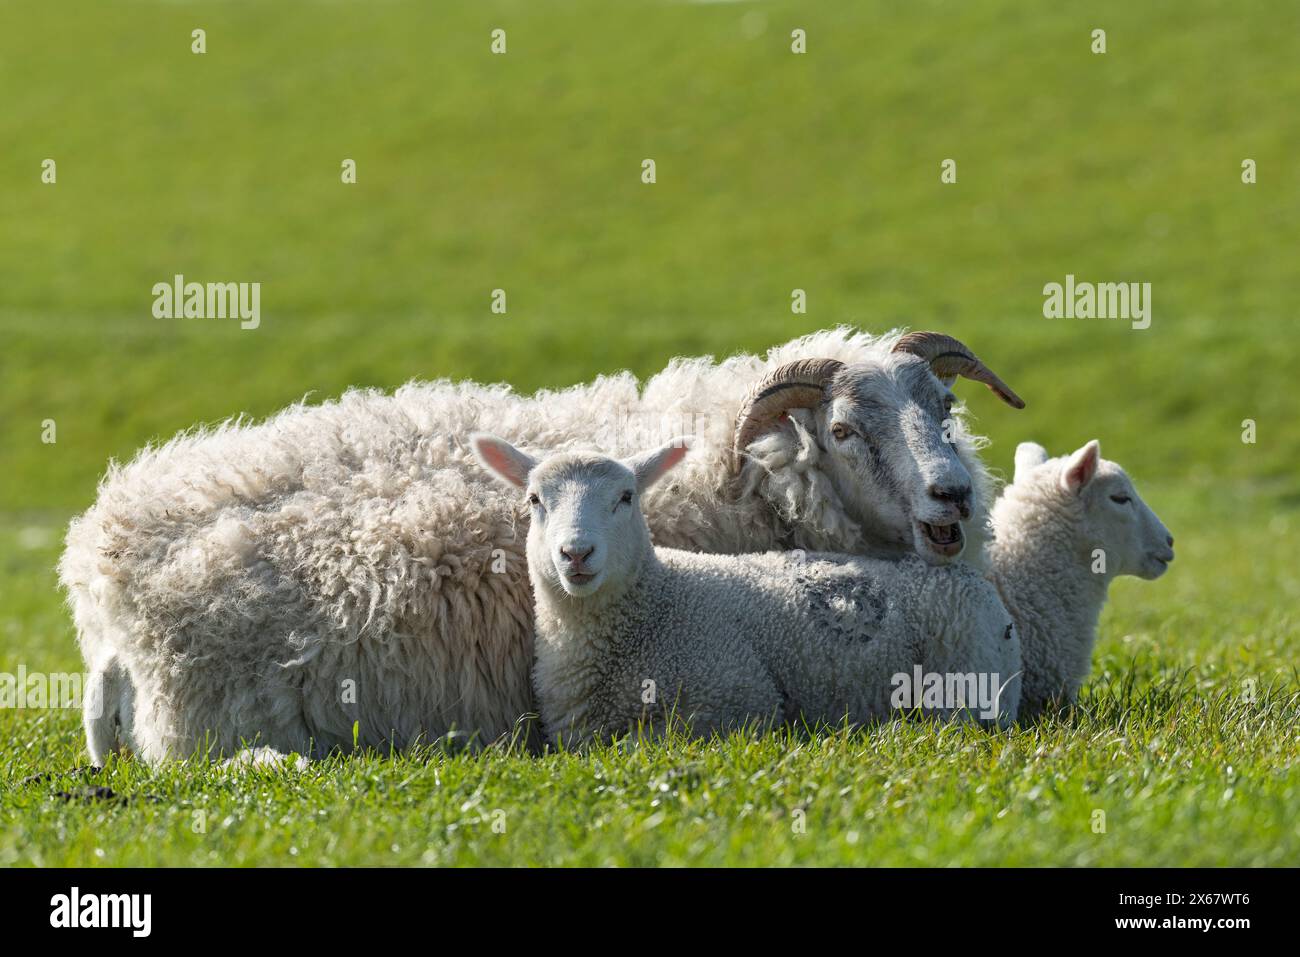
x,y
502,459
649,467
1081,467
1029,455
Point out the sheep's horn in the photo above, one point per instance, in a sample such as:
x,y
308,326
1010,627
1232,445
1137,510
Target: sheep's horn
x,y
949,358
795,385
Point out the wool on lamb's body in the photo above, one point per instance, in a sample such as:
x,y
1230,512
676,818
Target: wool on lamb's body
x,y
730,639
1063,530
629,633
346,563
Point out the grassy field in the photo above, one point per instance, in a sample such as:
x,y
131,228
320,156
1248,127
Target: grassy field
x,y
775,171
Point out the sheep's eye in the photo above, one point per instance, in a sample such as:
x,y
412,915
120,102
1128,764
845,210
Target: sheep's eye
x,y
624,499
841,431
947,403
1120,499
533,499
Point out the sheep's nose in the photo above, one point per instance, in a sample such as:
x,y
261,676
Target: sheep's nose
x,y
1170,540
577,554
957,496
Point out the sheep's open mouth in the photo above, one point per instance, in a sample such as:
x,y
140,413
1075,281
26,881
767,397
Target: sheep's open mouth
x,y
944,539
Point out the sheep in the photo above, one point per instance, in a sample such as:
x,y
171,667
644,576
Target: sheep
x,y
346,564
628,634
1063,530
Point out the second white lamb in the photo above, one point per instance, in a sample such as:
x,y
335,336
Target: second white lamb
x,y
1064,529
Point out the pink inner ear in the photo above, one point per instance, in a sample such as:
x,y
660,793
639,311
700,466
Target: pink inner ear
x,y
652,468
1082,470
677,453
502,462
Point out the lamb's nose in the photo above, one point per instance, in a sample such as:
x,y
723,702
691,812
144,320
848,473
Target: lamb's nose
x,y
576,554
956,495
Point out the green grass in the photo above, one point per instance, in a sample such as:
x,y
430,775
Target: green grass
x,y
775,172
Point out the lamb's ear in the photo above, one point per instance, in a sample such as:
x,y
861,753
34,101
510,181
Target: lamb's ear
x,y
649,467
1029,455
502,459
1081,468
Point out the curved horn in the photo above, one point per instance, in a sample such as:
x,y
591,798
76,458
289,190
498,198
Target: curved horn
x,y
795,385
949,358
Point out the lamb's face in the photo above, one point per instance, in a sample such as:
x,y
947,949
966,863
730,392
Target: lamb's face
x,y
1110,513
890,436
586,532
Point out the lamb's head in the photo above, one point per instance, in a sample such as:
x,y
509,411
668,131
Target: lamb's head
x,y
586,532
1104,509
894,452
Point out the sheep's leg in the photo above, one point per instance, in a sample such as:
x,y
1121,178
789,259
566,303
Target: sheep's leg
x,y
108,708
264,757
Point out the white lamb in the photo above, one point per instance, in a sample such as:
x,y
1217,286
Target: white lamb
x,y
629,633
1063,530
347,563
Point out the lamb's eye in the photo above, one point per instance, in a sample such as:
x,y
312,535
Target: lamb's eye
x,y
947,403
841,431
533,500
1120,499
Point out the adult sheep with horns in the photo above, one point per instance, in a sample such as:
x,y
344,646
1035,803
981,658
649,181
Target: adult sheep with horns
x,y
349,563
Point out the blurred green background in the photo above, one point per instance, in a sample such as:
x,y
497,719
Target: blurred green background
x,y
775,171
